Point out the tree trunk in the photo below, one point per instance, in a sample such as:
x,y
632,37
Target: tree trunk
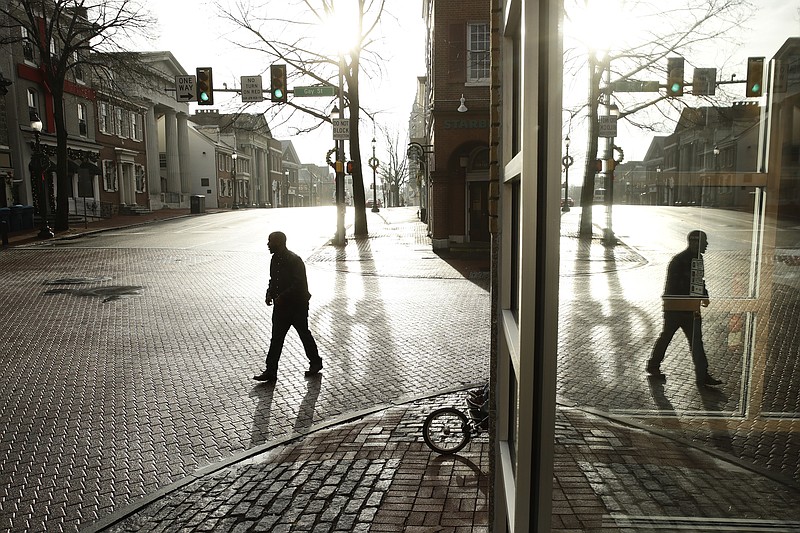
x,y
587,191
62,170
359,197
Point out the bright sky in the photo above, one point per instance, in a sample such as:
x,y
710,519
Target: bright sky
x,y
762,35
195,35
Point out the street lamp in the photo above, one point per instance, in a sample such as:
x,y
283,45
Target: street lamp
x,y
286,188
235,205
373,163
39,165
567,162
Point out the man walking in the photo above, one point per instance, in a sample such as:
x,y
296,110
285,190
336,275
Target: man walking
x,y
288,290
684,292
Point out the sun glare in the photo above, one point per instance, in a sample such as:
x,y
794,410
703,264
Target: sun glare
x,y
598,25
341,29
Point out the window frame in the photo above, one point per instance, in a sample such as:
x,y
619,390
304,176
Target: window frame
x,y
476,66
83,120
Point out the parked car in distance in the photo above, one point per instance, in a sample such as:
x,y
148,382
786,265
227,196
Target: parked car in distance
x,y
369,203
570,202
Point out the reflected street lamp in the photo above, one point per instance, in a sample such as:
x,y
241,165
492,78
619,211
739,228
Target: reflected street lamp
x,y
373,163
567,161
235,205
39,165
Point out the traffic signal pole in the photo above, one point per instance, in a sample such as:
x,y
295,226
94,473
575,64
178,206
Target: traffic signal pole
x,y
608,232
339,239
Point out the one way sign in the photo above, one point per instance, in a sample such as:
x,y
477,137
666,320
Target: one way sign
x,y
185,88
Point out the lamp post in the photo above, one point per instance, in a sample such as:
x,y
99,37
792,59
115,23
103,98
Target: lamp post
x,y
419,153
338,112
235,205
567,162
373,163
608,233
286,187
39,166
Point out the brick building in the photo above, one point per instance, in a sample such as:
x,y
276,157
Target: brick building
x,y
456,121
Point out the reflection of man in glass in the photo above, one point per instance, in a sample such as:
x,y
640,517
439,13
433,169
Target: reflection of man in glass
x,y
684,293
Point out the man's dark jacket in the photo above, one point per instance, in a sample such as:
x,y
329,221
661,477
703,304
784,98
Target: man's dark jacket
x,y
288,284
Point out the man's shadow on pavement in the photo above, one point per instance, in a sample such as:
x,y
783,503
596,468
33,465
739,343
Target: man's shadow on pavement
x,y
714,400
305,415
261,432
656,384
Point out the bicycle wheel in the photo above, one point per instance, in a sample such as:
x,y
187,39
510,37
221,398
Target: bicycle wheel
x,y
446,430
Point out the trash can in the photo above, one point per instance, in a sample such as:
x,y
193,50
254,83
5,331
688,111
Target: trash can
x,y
16,218
197,203
27,217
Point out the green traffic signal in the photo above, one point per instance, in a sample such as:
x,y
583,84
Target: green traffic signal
x,y
205,87
675,76
278,83
755,76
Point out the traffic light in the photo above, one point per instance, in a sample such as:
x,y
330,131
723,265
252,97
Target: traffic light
x,y
755,77
675,76
205,86
277,89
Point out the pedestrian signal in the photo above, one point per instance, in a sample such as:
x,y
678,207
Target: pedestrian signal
x,y
205,86
349,167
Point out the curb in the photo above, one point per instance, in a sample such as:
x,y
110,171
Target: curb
x,y
345,418
723,456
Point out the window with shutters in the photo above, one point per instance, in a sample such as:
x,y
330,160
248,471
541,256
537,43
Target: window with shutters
x,y
141,181
109,176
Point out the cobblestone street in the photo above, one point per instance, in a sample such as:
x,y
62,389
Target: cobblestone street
x,y
127,401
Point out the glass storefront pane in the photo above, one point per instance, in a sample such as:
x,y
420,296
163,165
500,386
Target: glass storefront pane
x,y
682,126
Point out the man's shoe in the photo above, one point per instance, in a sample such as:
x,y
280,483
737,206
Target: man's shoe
x,y
264,376
711,380
314,369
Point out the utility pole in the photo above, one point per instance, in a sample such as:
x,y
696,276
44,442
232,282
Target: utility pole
x,y
339,237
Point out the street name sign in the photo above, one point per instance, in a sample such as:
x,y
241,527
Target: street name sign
x,y
608,126
635,86
319,90
341,129
252,89
185,88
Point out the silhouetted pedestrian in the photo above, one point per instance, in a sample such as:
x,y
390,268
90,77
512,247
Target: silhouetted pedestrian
x,y
684,293
288,290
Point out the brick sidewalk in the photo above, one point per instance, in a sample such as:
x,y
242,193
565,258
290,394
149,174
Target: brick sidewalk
x,y
376,474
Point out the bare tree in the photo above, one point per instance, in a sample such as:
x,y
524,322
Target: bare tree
x,y
68,35
683,27
293,42
393,172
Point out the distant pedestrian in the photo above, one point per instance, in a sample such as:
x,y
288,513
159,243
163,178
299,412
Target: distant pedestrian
x,y
288,290
684,293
